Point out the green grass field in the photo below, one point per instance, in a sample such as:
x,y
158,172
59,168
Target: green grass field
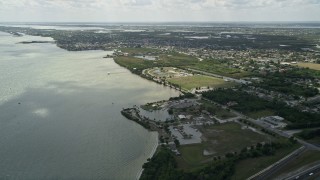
x,y
249,167
310,65
220,139
212,66
230,137
193,154
191,82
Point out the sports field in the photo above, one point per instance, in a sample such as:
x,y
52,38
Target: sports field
x,y
191,82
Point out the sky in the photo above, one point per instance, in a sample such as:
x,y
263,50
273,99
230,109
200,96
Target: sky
x,y
158,10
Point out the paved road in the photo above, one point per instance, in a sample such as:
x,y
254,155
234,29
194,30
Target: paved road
x,y
269,171
280,163
315,170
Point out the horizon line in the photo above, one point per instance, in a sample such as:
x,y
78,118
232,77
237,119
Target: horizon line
x,y
154,22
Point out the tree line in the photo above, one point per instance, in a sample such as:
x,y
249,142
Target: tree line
x,y
249,103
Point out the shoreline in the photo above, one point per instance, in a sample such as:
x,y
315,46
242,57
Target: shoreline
x,y
154,150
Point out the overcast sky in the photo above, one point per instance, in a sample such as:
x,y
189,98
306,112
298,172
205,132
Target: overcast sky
x,y
158,10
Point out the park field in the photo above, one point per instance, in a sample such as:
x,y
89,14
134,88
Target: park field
x,y
191,82
310,65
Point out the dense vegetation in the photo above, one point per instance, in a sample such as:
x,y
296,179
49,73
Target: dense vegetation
x,y
247,103
309,134
283,86
183,96
286,82
161,166
304,73
126,113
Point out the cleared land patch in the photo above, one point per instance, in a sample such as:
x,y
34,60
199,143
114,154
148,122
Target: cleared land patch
x,y
191,82
310,65
230,137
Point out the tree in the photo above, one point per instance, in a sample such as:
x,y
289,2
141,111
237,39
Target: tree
x,y
177,142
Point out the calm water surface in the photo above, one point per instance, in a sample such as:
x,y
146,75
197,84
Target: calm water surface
x,y
60,114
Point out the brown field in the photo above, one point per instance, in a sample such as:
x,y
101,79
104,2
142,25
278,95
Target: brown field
x,y
310,65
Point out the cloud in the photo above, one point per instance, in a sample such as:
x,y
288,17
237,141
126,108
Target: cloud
x,y
188,4
174,10
136,2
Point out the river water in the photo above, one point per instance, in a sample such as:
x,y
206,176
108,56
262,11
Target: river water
x,y
60,113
